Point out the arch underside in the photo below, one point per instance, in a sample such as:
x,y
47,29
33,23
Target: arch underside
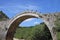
x,y
14,24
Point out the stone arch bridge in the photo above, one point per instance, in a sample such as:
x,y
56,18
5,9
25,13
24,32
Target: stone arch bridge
x,y
8,27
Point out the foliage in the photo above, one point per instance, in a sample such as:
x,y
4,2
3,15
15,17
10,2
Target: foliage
x,y
38,32
57,24
58,35
22,32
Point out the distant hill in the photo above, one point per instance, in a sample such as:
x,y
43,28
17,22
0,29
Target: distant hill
x,y
3,16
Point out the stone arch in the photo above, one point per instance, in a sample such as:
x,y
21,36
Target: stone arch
x,y
13,23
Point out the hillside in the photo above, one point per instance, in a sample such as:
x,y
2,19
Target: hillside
x,y
3,16
37,32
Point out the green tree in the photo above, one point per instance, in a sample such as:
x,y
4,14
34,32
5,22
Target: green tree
x,y
40,32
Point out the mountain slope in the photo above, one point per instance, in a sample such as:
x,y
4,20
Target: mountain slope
x,y
3,16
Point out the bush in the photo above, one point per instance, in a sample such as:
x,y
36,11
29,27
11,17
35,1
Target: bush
x,y
40,32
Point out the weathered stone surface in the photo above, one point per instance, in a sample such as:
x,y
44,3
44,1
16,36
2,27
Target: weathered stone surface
x,y
8,27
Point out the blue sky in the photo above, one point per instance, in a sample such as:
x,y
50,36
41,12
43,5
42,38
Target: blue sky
x,y
13,7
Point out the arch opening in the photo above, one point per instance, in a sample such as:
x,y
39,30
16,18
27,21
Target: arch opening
x,y
14,24
31,22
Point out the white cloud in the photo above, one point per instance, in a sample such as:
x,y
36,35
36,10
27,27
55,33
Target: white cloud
x,y
36,23
28,20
